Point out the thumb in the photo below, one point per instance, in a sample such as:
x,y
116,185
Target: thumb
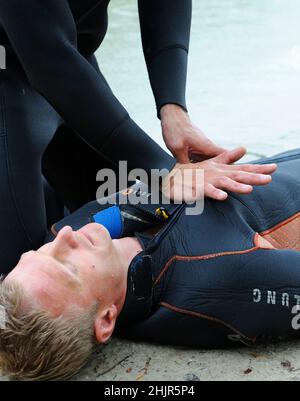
x,y
206,148
213,150
231,156
182,156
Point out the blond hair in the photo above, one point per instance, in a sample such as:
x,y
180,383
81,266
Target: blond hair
x,y
36,346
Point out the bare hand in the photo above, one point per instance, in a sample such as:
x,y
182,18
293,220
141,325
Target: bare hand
x,y
184,140
220,176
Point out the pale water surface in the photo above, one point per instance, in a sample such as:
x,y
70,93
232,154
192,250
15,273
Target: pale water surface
x,y
244,71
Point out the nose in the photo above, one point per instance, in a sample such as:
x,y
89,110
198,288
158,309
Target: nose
x,y
66,237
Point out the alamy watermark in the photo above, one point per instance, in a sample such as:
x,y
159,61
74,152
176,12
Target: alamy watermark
x,y
184,185
2,58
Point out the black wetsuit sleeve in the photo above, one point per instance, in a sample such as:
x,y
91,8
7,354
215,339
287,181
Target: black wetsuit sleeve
x,y
165,28
44,37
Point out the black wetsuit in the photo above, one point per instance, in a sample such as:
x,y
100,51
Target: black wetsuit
x,y
229,275
52,84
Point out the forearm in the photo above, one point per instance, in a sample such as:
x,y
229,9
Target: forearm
x,y
92,110
165,27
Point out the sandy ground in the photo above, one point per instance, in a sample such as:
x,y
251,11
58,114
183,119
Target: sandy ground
x,y
124,360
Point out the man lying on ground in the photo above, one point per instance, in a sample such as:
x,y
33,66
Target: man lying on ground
x,y
224,277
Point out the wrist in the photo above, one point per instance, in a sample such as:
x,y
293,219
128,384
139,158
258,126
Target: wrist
x,y
173,111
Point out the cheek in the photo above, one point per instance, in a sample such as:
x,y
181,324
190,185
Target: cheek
x,y
90,261
59,301
55,299
91,272
53,294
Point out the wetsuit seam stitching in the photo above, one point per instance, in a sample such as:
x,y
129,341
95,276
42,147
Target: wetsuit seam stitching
x,y
222,254
206,317
10,183
280,225
170,47
88,12
114,131
101,149
246,206
200,257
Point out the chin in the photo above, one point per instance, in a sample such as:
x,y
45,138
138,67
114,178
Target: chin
x,y
96,232
96,228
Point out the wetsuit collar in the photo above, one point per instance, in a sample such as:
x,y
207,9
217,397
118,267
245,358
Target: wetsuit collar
x,y
138,299
144,239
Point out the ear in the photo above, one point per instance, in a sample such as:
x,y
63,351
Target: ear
x,y
105,322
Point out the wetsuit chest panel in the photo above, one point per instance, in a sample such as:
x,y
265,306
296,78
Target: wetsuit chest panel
x,y
222,227
189,241
273,204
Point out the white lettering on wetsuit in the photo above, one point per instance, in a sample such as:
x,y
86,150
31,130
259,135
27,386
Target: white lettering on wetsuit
x,y
271,297
2,58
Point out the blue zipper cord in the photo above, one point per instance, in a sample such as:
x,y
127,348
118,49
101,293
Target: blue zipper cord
x,y
111,219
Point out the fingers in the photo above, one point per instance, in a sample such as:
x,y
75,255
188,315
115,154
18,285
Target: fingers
x,y
212,192
250,178
210,152
231,156
256,168
205,150
214,150
228,184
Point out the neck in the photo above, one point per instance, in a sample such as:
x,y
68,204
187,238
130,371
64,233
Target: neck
x,y
127,249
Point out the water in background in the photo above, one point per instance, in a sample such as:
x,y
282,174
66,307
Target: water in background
x,y
244,71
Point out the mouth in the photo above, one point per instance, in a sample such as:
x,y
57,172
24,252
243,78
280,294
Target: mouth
x,y
88,237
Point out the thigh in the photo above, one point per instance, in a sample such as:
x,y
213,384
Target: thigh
x,y
28,123
71,165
